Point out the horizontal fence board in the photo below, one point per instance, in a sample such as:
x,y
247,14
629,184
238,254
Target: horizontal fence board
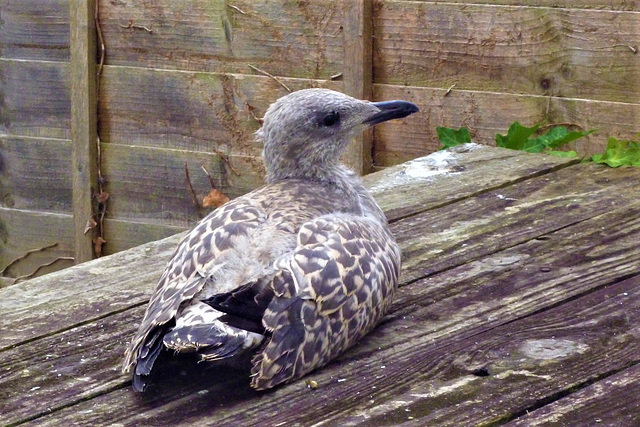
x,y
22,231
35,29
295,39
486,113
628,5
35,99
122,234
188,110
149,184
545,51
35,174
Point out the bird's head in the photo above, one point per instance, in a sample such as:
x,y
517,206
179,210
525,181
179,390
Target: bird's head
x,y
306,131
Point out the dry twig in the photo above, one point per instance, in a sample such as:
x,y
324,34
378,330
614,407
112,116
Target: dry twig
x,y
26,254
30,275
450,89
131,25
237,9
254,68
192,192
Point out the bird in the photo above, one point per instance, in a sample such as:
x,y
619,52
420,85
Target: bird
x,y
287,276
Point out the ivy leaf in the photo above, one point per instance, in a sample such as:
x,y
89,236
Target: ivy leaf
x,y
619,153
516,137
556,137
451,137
562,153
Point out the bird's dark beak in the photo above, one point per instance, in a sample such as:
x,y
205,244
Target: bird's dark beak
x,y
390,110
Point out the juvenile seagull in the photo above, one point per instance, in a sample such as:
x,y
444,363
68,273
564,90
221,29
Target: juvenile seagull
x,y
291,274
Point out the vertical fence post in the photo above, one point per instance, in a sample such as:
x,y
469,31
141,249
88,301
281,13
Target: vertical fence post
x,y
84,117
357,73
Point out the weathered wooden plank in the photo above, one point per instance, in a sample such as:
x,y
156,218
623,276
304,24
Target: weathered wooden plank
x,y
35,174
122,234
546,51
358,74
107,285
84,123
22,231
35,99
188,110
617,5
434,339
87,356
532,209
33,29
301,39
486,114
529,362
171,109
610,401
483,169
456,240
147,184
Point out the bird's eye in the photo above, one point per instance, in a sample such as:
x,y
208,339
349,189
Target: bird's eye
x,y
331,119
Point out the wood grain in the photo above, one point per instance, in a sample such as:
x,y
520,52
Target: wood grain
x,y
301,39
35,174
562,52
24,230
358,74
33,29
613,400
35,99
486,114
147,184
435,331
483,168
84,124
188,110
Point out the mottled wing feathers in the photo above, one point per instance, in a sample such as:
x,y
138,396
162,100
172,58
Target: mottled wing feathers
x,y
328,294
197,258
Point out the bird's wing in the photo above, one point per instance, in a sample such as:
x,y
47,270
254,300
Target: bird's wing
x,y
328,294
188,271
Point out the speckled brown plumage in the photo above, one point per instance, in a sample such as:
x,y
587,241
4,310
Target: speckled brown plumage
x,y
290,274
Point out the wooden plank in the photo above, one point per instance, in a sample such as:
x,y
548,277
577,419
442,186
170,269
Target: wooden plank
x,y
106,286
122,235
302,39
206,112
180,110
612,400
532,209
147,184
456,242
84,123
35,97
22,231
35,174
486,114
433,339
483,168
32,29
617,5
529,362
561,52
358,74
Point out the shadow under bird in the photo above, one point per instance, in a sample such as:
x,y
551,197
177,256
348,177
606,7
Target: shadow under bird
x,y
291,274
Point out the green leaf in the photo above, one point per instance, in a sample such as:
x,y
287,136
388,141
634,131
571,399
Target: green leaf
x,y
619,153
516,136
558,136
562,153
451,137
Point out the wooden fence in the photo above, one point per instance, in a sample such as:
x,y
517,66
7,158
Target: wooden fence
x,y
186,82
